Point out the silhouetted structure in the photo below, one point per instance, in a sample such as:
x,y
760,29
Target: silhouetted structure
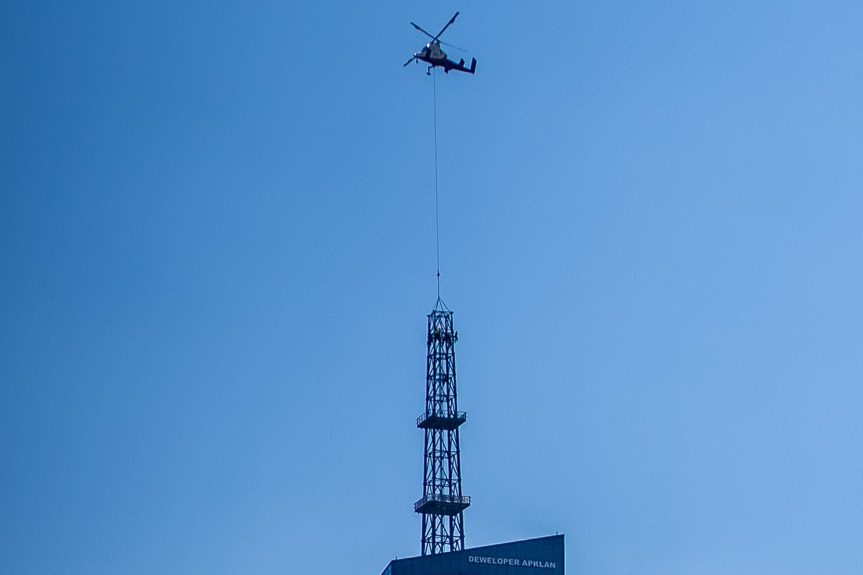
x,y
541,556
442,504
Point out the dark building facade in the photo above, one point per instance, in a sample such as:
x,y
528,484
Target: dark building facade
x,y
542,556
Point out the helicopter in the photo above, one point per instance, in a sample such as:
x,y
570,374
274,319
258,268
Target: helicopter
x,y
435,56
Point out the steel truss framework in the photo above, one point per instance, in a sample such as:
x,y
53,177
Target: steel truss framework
x,y
442,504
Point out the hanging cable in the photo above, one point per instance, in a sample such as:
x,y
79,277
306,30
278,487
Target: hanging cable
x,y
436,217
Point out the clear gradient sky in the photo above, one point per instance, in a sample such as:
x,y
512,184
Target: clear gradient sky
x,y
217,255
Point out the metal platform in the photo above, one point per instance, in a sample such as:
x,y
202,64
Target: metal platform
x,y
440,504
435,421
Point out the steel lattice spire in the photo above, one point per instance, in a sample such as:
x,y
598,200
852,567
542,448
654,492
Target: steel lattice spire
x,y
442,504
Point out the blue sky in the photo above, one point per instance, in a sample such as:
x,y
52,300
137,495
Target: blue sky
x,y
217,244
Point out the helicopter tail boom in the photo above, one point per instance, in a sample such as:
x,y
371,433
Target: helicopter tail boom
x,y
450,65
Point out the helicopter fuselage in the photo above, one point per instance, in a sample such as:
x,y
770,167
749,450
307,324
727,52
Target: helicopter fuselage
x,y
433,54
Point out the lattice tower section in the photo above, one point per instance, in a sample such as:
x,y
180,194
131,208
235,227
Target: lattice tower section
x,y
442,504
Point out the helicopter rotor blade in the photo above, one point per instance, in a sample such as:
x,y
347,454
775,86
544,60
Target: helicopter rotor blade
x,y
451,20
409,61
423,31
452,46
